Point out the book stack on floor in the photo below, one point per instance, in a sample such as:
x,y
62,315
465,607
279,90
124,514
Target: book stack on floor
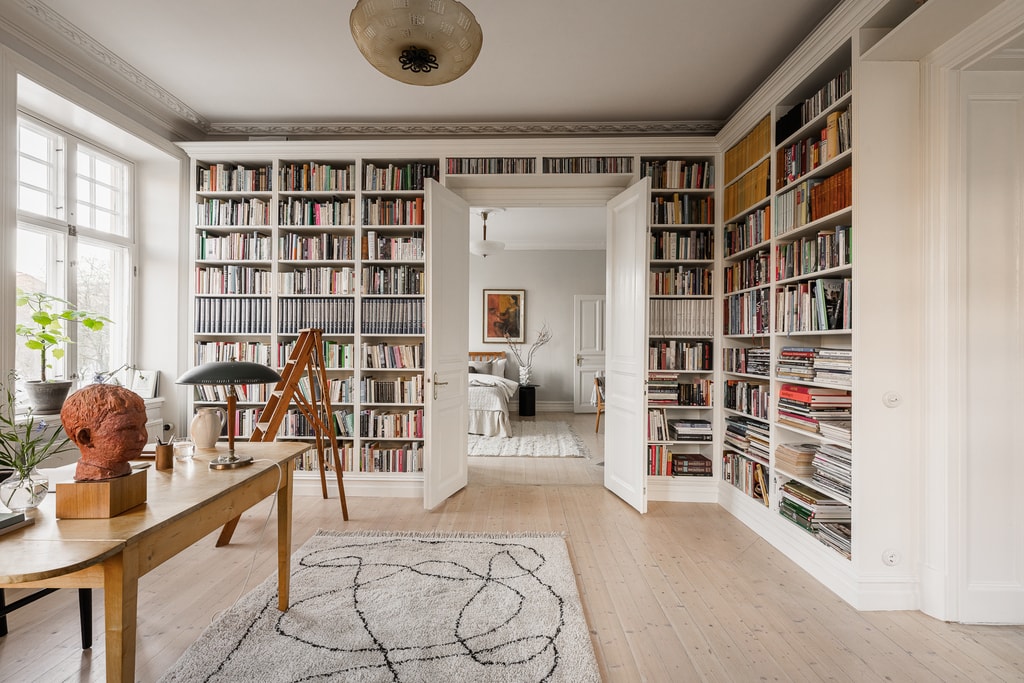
x,y
796,362
685,429
662,389
833,366
796,459
806,408
690,465
833,469
813,511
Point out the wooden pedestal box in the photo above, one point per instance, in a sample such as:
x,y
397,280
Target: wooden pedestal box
x,y
100,499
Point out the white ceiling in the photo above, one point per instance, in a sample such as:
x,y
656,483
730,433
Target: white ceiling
x,y
259,67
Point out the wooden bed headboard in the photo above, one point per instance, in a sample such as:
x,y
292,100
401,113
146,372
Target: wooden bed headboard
x,y
489,356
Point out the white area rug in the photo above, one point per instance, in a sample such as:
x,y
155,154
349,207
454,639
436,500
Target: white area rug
x,y
393,606
532,438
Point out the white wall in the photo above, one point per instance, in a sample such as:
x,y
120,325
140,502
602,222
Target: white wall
x,y
550,279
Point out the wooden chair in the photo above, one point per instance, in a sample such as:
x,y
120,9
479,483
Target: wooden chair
x,y
84,611
599,397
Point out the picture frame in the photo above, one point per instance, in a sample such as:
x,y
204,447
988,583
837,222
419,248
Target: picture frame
x,y
504,313
145,383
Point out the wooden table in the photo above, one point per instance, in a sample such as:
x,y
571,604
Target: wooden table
x,y
182,506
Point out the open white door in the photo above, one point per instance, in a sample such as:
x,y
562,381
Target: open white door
x,y
588,348
447,348
625,347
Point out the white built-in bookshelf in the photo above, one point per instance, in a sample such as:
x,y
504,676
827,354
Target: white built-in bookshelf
x,y
787,334
680,325
282,244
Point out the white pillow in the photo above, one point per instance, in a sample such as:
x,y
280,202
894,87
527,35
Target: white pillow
x,y
482,367
498,367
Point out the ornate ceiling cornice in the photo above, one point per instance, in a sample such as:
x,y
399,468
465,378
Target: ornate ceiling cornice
x,y
498,129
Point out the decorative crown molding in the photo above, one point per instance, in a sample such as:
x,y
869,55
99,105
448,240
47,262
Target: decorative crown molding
x,y
496,129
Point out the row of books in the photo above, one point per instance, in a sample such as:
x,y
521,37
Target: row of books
x,y
232,212
679,174
392,356
755,360
746,474
377,458
681,245
669,391
397,211
747,313
322,280
410,176
330,314
408,390
662,428
323,247
748,436
393,280
681,317
749,398
232,315
234,178
812,107
297,211
680,281
806,407
234,246
755,229
812,199
377,247
232,279
391,425
587,164
821,304
818,364
491,165
393,316
662,462
679,355
683,210
803,156
244,393
752,188
752,271
827,519
249,351
829,248
316,177
336,355
754,145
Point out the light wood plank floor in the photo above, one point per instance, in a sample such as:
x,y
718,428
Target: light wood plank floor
x,y
683,593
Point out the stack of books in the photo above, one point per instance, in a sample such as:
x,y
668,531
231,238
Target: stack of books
x,y
833,469
837,536
685,429
690,465
834,366
809,509
837,430
747,435
796,362
662,388
806,407
796,459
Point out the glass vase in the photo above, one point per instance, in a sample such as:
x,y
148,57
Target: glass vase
x,y
524,374
19,493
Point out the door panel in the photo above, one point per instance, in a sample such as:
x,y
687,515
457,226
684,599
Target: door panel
x,y
625,346
588,348
445,469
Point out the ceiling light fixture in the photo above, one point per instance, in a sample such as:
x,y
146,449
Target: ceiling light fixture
x,y
486,247
419,42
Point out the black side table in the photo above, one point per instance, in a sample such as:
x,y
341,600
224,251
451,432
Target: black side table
x,y
527,400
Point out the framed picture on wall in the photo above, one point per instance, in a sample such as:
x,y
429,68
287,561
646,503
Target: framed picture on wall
x,y
504,315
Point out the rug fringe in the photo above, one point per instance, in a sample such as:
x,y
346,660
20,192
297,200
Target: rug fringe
x,y
444,535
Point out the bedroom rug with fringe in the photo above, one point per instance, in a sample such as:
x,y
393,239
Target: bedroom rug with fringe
x,y
532,438
406,606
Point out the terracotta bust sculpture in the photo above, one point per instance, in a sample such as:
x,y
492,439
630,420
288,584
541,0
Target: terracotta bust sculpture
x,y
108,424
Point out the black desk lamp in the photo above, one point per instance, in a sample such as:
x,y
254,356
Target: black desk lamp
x,y
230,373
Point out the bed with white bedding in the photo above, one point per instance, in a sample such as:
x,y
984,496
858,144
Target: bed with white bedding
x,y
489,394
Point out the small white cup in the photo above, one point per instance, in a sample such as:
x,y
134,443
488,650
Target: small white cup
x,y
184,448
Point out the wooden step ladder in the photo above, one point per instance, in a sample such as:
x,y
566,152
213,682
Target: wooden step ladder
x,y
305,365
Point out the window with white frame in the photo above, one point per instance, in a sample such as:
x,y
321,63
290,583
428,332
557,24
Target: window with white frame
x,y
76,241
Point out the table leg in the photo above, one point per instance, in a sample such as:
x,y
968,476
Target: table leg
x,y
120,604
284,537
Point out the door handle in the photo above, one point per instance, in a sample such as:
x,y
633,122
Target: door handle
x,y
579,359
438,383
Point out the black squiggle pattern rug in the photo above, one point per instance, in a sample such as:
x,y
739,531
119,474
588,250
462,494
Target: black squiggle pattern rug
x,y
386,606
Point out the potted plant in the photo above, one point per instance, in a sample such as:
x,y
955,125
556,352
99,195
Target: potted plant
x,y
46,333
526,362
24,443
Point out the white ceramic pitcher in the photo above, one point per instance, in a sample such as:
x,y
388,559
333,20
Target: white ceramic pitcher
x,y
207,425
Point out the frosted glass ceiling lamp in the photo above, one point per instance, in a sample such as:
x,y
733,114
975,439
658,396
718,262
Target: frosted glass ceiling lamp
x,y
419,42
486,247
